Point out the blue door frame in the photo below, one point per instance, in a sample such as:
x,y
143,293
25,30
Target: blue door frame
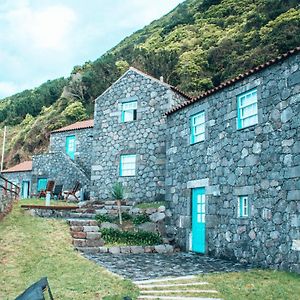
x,y
198,220
70,146
25,189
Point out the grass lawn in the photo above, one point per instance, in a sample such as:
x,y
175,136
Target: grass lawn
x,y
32,247
42,201
256,284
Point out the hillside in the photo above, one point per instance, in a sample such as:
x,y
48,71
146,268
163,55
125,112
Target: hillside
x,y
196,46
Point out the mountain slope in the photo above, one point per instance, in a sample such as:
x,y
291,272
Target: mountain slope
x,y
195,46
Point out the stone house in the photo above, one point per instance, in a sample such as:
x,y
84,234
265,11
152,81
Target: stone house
x,y
130,136
21,175
233,167
67,161
226,162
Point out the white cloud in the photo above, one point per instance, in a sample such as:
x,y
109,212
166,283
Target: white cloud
x,y
7,88
46,28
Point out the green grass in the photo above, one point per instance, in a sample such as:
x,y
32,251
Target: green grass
x,y
32,247
145,205
256,284
41,201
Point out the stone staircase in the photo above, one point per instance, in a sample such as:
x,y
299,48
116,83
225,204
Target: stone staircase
x,y
86,235
176,288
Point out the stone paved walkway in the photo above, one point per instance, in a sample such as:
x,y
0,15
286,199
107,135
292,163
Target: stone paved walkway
x,y
153,265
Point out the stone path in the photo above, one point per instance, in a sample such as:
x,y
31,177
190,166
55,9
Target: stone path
x,y
153,265
177,288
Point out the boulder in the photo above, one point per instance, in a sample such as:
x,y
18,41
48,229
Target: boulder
x,y
148,226
137,249
161,209
109,225
158,216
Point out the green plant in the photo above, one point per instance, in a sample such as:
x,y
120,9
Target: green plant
x,y
156,204
118,191
138,238
104,218
126,216
140,219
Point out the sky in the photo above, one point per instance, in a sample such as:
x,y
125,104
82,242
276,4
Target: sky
x,y
45,39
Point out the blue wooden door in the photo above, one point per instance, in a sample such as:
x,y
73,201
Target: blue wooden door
x,y
25,189
70,146
198,220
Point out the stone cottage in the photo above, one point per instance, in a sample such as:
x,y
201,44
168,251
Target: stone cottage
x,y
130,136
21,175
226,162
68,161
233,167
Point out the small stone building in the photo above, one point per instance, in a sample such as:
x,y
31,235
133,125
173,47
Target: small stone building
x,y
233,167
21,175
130,136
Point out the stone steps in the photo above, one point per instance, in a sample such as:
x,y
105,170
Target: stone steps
x,y
185,288
86,235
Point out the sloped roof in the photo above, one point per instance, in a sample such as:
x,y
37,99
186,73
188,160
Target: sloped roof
x,y
76,126
22,167
143,73
234,80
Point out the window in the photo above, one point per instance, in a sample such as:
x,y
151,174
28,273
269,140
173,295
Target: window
x,y
70,146
198,128
127,165
41,184
129,111
247,109
243,207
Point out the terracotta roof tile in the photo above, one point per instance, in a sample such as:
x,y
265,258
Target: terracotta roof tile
x,y
76,126
233,80
22,167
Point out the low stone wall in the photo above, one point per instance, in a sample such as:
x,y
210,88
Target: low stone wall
x,y
6,205
51,212
164,248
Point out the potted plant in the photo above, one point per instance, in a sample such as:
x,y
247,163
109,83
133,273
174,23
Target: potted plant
x,y
118,195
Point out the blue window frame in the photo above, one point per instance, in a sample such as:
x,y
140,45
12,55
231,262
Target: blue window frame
x,y
127,165
71,146
129,111
243,207
247,109
198,127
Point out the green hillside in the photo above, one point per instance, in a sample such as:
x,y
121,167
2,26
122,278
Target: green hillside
x,y
195,47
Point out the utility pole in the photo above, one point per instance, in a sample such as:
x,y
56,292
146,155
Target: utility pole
x,y
3,148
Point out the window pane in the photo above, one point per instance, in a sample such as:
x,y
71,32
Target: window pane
x,y
198,128
127,165
129,105
127,116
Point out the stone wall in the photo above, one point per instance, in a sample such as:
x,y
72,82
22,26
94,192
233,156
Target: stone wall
x,y
262,161
144,137
59,167
18,177
83,154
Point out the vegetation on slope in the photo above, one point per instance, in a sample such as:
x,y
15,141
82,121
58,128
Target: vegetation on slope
x,y
32,247
195,47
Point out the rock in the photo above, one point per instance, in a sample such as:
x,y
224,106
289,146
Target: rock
x,y
136,249
109,225
125,249
169,248
149,249
148,226
252,234
93,235
103,249
90,228
156,217
168,213
160,249
114,250
150,211
161,209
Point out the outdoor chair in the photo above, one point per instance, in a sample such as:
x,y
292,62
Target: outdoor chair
x,y
36,291
57,192
73,191
49,188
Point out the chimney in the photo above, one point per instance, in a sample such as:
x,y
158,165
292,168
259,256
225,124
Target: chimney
x,y
161,78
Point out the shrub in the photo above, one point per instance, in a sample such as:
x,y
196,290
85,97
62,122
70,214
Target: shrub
x,y
139,238
126,216
104,218
140,219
